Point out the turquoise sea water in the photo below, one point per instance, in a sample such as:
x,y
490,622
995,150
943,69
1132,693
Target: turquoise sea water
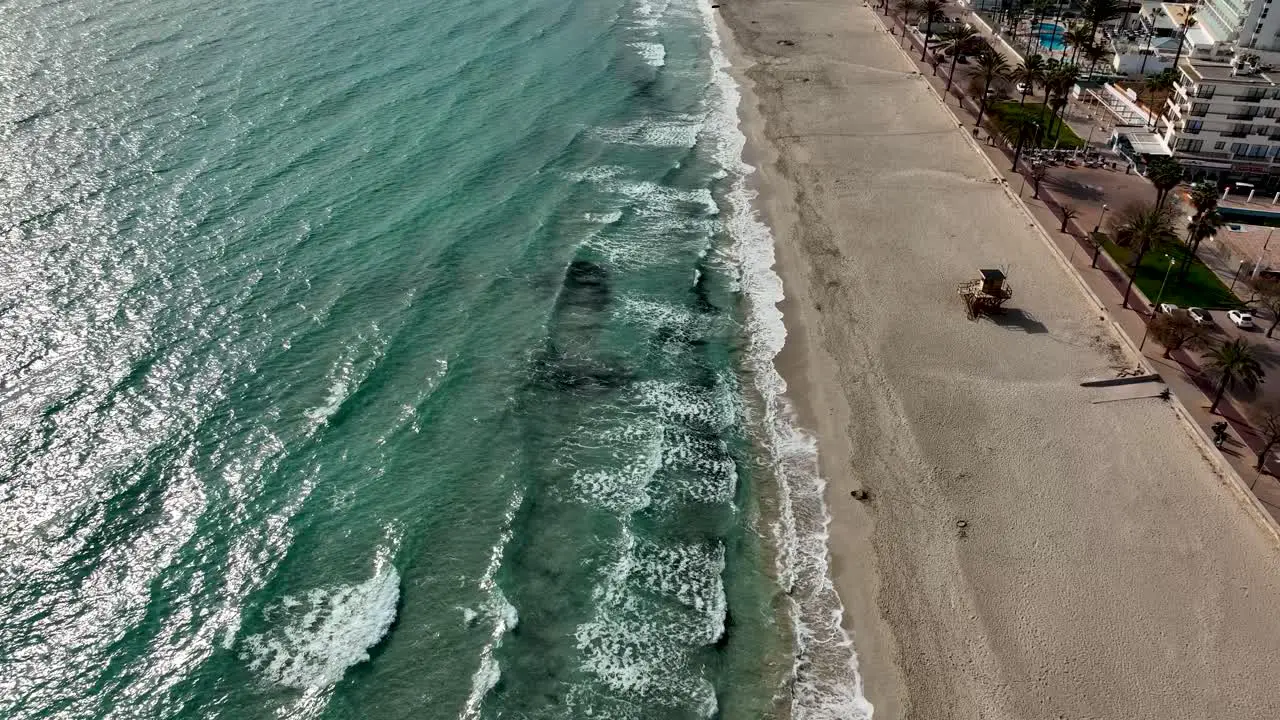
x,y
384,359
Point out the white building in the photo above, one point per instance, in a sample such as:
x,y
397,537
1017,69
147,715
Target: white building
x,y
1223,120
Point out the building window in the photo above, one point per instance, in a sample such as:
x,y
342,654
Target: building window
x,y
1258,151
1220,145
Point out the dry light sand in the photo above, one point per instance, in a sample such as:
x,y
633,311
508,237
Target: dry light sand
x,y
1108,568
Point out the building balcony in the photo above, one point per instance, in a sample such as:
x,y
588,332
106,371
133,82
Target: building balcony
x,y
1241,116
1246,99
1234,134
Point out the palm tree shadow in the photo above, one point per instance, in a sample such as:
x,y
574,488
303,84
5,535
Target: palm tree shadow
x,y
1266,354
1016,319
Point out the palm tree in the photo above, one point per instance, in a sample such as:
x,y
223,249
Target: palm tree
x,y
930,10
1057,91
1165,173
1176,330
1157,88
1050,69
1203,197
1078,36
1097,12
989,68
960,38
1190,20
1029,74
1012,18
1142,228
1203,225
905,8
1233,362
1095,53
1069,213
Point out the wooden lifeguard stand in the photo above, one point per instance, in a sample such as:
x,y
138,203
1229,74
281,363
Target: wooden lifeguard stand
x,y
987,294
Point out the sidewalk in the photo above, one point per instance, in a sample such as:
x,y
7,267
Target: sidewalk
x,y
1182,374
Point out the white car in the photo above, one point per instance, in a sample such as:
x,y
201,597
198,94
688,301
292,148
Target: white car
x,y
1240,319
1166,308
1022,88
1200,316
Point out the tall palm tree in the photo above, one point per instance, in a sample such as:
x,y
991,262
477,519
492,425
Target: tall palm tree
x,y
1077,36
1190,20
1233,362
1013,18
1157,89
1203,226
989,69
1097,12
1095,53
1057,90
1203,197
905,8
1039,10
1142,228
1030,74
959,38
930,10
1165,173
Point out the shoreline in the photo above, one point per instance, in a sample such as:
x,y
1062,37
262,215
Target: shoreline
x,y
1064,592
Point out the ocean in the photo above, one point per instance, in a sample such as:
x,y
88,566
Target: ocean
x,y
395,359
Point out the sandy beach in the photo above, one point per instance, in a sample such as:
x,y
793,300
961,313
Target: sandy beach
x,y
1026,552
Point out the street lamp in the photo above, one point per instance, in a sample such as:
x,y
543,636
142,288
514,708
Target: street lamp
x,y
1156,308
1236,276
1097,245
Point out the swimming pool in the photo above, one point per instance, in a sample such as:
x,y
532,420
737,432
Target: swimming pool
x,y
1050,36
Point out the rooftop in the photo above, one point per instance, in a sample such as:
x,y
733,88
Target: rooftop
x,y
1218,72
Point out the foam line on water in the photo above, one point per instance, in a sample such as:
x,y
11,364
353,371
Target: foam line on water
x,y
826,684
500,611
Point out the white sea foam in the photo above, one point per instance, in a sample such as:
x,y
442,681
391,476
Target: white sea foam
x,y
654,53
502,614
677,132
649,12
654,606
635,454
317,636
597,173
829,685
337,393
604,218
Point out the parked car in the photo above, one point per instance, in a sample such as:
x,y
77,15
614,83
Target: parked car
x,y
1166,308
1241,319
1022,88
1200,316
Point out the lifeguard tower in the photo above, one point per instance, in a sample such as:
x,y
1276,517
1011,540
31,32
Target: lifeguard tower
x,y
987,294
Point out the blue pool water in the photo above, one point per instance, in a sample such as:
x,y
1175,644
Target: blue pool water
x,y
1050,36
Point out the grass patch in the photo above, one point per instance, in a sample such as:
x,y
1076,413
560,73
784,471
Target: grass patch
x,y
1200,288
1007,116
